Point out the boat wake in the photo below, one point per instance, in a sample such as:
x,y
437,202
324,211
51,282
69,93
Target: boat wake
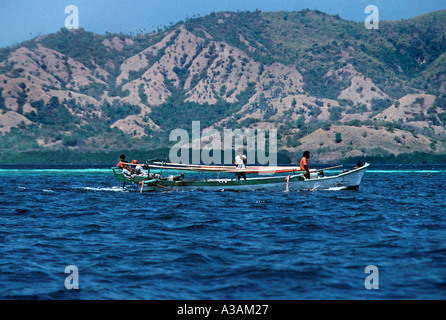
x,y
112,189
336,188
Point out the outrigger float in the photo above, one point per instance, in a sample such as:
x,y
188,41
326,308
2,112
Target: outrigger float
x,y
294,181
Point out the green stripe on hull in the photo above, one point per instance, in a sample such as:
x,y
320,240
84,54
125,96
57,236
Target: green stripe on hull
x,y
225,183
350,179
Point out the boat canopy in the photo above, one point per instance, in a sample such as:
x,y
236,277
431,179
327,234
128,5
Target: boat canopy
x,y
230,169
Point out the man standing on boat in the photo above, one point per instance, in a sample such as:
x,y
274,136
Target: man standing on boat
x,y
304,164
122,157
240,163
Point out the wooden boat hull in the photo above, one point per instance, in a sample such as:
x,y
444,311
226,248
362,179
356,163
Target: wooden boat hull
x,y
348,180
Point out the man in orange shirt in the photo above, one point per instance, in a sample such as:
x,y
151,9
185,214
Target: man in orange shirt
x,y
304,164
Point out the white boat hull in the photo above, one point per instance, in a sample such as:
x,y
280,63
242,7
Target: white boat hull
x,y
348,180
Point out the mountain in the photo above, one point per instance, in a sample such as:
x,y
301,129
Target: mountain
x,y
326,84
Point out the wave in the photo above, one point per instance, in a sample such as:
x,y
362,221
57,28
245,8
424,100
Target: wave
x,y
406,171
336,188
91,171
109,189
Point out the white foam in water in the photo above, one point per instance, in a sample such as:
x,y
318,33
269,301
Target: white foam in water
x,y
336,188
114,189
404,171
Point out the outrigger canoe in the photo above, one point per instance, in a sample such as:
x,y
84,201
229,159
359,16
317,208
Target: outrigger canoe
x,y
295,181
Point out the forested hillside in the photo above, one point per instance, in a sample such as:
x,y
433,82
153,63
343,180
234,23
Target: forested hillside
x,y
328,85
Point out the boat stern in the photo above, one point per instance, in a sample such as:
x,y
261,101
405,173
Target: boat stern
x,y
118,174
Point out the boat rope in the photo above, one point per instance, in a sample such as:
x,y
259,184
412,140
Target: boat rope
x,y
158,185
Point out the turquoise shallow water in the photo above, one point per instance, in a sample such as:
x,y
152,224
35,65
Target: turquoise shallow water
x,y
221,245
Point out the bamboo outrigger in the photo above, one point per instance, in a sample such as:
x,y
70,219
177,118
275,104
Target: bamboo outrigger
x,y
266,179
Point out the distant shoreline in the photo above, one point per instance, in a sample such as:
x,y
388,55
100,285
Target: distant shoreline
x,y
71,157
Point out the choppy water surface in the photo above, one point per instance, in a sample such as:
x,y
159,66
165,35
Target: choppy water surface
x,y
221,245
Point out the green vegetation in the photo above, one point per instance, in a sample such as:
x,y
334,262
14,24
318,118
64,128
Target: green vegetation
x,y
2,101
63,129
52,114
414,158
81,158
379,105
176,113
338,138
401,57
117,110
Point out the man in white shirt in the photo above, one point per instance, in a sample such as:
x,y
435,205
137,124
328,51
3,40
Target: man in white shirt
x,y
240,163
127,171
139,171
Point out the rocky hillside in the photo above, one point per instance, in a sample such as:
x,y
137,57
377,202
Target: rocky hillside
x,y
327,84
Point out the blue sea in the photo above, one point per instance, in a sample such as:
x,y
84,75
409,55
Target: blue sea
x,y
198,245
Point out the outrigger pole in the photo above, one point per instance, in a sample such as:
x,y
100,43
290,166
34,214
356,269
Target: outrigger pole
x,y
231,169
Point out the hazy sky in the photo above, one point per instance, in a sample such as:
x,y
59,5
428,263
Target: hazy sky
x,y
24,19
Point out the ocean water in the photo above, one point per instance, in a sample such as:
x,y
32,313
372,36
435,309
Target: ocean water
x,y
221,245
